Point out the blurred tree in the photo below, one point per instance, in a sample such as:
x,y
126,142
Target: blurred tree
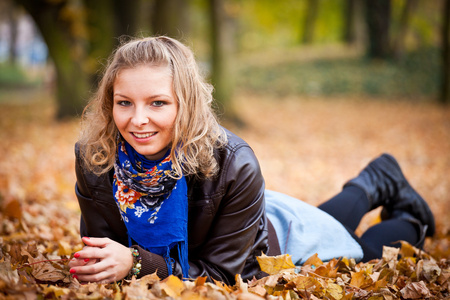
x,y
9,14
221,58
445,85
80,35
353,20
171,18
398,42
309,20
378,17
62,25
102,33
13,15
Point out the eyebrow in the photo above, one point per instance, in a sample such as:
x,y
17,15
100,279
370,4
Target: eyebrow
x,y
151,97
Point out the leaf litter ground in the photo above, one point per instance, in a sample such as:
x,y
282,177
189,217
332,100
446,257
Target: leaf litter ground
x,y
307,148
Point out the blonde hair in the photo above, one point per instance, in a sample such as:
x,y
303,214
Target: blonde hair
x,y
196,131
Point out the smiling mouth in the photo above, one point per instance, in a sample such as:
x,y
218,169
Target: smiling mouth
x,y
143,135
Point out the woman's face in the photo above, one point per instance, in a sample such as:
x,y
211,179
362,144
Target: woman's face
x,y
145,109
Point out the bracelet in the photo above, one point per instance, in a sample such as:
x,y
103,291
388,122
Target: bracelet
x,y
136,268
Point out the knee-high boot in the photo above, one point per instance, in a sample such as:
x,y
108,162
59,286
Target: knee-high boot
x,y
385,185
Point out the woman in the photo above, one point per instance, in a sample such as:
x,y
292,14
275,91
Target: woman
x,y
163,188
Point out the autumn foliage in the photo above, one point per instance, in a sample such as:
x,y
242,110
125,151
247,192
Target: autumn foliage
x,y
306,148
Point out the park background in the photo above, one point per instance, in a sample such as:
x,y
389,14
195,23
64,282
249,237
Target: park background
x,y
317,88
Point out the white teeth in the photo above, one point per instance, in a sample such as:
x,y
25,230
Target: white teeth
x,y
143,135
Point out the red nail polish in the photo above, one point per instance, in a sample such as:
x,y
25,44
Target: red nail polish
x,y
72,271
75,276
86,259
76,255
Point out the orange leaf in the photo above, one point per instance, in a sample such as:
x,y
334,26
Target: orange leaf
x,y
314,260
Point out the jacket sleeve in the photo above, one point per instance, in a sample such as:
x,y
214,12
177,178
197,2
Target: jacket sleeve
x,y
235,236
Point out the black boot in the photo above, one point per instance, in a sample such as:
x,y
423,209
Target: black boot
x,y
385,185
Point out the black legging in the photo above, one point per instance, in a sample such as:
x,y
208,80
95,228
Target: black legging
x,y
350,205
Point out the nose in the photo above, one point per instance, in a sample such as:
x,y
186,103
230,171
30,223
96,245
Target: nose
x,y
140,118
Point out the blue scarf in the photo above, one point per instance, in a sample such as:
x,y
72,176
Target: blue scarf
x,y
153,204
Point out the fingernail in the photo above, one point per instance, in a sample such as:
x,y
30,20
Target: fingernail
x,y
86,259
75,276
76,255
72,271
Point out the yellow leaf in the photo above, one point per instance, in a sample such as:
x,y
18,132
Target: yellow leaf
x,y
305,282
334,291
173,286
361,279
274,264
407,250
64,248
57,291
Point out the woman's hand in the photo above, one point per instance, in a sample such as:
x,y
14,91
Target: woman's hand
x,y
101,260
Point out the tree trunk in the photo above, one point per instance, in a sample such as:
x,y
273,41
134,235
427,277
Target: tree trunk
x,y
349,21
398,43
127,17
445,85
67,52
378,17
12,16
221,61
171,18
310,18
102,35
353,22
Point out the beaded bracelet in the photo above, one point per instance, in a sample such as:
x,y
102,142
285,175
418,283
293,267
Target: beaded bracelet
x,y
136,268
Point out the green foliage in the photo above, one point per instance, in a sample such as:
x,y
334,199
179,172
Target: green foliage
x,y
12,76
415,75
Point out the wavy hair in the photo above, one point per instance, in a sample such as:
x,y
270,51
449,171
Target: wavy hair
x,y
196,131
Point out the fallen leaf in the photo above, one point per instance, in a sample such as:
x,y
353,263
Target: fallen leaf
x,y
361,279
430,271
274,264
415,290
313,261
12,209
172,286
55,290
390,255
334,291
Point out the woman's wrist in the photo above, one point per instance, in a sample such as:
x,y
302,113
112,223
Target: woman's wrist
x,y
137,263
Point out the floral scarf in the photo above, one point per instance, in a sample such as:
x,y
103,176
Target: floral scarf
x,y
153,203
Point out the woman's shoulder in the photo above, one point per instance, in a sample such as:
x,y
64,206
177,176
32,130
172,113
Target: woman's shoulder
x,y
234,142
236,155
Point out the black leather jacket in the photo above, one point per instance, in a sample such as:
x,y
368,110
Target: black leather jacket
x,y
227,225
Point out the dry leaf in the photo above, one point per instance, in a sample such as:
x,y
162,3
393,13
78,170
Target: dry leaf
x,y
55,290
274,264
314,261
12,209
361,279
390,255
430,270
172,286
415,290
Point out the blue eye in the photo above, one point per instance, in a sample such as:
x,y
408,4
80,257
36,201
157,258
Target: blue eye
x,y
158,103
124,103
